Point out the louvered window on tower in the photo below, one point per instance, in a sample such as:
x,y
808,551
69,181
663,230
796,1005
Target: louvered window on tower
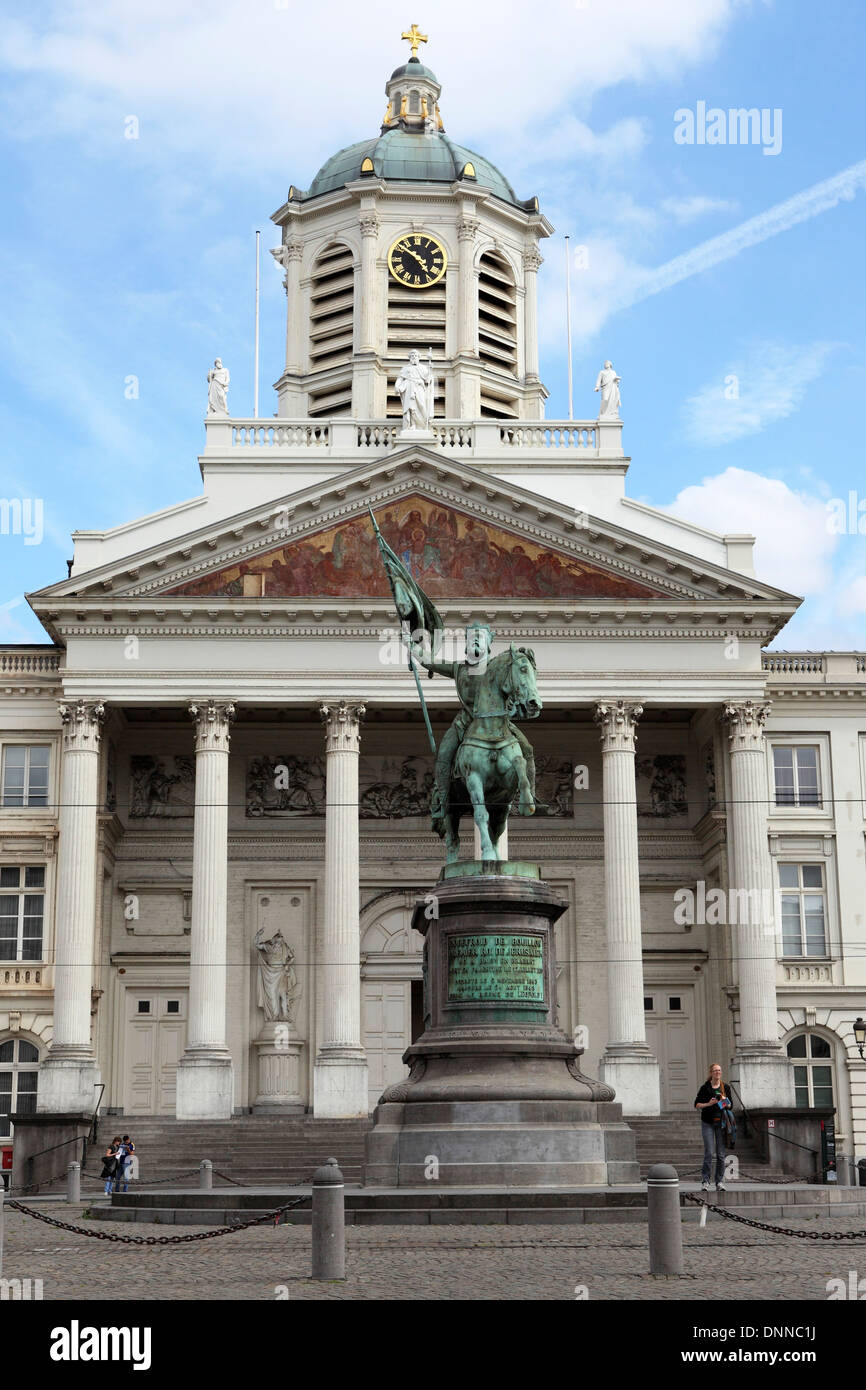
x,y
332,302
497,315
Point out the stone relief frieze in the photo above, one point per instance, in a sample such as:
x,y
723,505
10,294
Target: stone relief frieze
x,y
161,787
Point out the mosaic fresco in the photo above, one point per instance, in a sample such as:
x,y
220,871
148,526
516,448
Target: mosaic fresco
x,y
450,554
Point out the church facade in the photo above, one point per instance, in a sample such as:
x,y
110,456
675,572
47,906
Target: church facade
x,y
216,774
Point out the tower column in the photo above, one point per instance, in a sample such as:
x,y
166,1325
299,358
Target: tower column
x,y
532,261
290,397
628,1065
205,1084
68,1075
368,287
340,1073
468,370
765,1074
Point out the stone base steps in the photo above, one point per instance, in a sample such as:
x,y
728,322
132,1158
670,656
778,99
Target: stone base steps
x,y
675,1137
514,1206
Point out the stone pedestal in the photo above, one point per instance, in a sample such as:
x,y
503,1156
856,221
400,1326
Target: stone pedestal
x,y
495,1095
278,1055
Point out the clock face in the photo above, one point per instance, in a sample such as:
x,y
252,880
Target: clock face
x,y
417,260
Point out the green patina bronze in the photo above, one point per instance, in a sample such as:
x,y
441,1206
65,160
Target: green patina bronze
x,y
495,967
484,763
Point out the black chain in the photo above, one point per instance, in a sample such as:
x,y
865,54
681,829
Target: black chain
x,y
776,1230
273,1216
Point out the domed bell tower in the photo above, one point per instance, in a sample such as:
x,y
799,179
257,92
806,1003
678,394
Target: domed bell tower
x,y
410,241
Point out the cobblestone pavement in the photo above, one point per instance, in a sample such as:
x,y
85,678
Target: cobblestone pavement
x,y
433,1262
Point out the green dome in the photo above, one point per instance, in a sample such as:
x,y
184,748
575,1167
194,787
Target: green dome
x,y
414,68
412,155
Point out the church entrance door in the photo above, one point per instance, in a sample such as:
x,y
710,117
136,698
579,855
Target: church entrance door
x,y
155,1041
670,1031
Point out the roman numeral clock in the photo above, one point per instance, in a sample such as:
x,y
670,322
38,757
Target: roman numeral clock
x,y
417,261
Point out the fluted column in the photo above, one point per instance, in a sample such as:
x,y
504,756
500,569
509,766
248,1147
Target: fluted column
x,y
205,1089
340,1074
68,1075
467,230
369,298
765,1075
628,1065
532,261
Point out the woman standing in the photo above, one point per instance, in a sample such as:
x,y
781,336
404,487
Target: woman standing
x,y
713,1099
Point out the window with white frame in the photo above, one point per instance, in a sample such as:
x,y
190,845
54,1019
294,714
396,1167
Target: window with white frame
x,y
25,774
22,911
804,909
19,1074
797,774
812,1056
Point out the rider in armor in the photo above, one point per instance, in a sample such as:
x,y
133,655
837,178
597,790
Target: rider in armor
x,y
479,640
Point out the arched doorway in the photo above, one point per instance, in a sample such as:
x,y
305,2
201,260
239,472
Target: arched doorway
x,y
391,987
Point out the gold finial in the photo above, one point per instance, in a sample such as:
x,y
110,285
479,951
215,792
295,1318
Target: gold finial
x,y
389,109
414,37
424,111
440,125
404,108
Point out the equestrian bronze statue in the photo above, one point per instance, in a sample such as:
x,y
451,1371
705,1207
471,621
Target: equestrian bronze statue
x,y
484,762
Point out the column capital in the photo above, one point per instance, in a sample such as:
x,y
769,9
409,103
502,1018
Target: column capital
x,y
342,726
467,228
369,224
745,720
618,721
289,251
532,259
82,724
212,720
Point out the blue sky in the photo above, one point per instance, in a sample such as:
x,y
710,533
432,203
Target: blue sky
x,y
724,282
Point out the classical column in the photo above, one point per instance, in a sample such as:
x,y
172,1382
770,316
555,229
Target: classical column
x,y
532,261
340,1073
68,1075
369,298
291,260
467,230
628,1065
205,1089
765,1075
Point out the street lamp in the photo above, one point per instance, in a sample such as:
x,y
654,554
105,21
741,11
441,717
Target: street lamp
x,y
859,1034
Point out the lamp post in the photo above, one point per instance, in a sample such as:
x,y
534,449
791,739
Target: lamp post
x,y
860,1034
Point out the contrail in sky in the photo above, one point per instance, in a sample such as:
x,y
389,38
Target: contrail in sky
x,y
819,198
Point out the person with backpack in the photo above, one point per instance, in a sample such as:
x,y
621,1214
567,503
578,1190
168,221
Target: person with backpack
x,y
109,1165
715,1104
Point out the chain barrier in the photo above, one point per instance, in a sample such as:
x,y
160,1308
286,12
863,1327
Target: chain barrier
x,y
273,1216
775,1230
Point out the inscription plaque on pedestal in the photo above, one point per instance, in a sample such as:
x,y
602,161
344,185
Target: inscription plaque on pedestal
x,y
491,967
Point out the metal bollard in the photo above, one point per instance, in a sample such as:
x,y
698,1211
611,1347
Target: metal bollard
x,y
329,1223
205,1175
73,1182
665,1220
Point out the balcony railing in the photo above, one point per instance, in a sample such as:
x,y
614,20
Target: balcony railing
x,y
816,667
347,438
36,660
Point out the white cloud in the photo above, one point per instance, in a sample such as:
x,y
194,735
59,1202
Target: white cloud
x,y
690,208
852,599
754,392
794,547
277,85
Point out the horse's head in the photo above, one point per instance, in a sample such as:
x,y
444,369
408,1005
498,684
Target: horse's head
x,y
524,701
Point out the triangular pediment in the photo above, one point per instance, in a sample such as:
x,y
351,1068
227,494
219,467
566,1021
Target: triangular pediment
x,y
451,553
466,534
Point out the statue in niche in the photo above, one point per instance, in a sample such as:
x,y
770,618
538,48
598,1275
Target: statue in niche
x,y
416,387
217,389
607,383
278,988
667,778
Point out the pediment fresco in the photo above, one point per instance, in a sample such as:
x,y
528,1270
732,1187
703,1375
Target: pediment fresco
x,y
452,555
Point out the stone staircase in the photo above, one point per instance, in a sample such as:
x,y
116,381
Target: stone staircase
x,y
675,1137
260,1150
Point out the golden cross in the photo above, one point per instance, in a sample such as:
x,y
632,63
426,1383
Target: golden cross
x,y
414,37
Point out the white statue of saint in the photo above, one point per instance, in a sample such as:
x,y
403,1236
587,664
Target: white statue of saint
x,y
278,984
217,388
416,387
608,385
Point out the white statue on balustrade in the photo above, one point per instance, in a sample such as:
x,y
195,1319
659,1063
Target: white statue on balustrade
x,y
278,988
416,387
608,384
217,390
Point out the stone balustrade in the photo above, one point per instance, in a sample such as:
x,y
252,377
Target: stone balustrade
x,y
814,667
345,438
29,661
